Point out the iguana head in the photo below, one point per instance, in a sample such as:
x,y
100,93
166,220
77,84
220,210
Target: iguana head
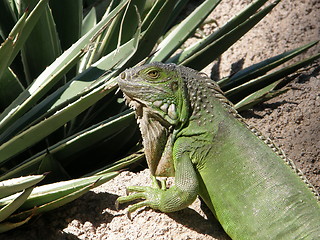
x,y
157,93
159,88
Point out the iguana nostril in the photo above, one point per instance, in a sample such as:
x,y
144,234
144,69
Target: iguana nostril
x,y
123,75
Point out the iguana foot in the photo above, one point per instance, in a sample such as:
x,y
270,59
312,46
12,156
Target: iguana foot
x,y
152,196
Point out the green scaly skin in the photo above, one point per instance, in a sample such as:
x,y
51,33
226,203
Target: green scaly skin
x,y
191,131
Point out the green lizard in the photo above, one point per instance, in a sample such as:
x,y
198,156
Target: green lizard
x,y
192,132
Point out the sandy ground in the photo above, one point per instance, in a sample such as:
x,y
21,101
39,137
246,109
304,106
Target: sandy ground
x,y
291,120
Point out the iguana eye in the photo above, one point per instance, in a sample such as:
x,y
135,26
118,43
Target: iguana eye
x,y
153,74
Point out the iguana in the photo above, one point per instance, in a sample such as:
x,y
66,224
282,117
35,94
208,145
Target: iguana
x,y
192,132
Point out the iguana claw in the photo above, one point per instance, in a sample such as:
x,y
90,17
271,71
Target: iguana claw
x,y
150,194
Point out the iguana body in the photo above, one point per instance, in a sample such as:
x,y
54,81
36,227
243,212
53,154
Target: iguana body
x,y
190,131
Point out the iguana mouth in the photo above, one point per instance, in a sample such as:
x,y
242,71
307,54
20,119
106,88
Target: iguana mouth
x,y
141,108
135,105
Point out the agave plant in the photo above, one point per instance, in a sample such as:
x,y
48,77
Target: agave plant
x,y
60,109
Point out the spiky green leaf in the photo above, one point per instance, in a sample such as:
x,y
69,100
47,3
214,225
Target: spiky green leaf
x,y
249,87
262,67
183,31
11,207
212,51
53,74
11,186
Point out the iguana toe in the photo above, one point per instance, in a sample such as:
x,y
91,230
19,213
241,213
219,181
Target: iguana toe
x,y
151,196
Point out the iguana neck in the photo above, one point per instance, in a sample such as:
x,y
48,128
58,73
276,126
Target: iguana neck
x,y
205,99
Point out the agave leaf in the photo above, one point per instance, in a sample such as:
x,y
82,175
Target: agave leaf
x,y
10,208
180,5
152,14
42,46
259,96
53,73
230,25
53,204
8,49
18,35
6,226
240,92
78,87
252,100
92,135
57,202
74,144
205,56
147,7
13,5
98,73
123,28
10,88
51,192
131,19
69,28
183,31
7,18
51,198
34,113
152,33
114,37
50,164
89,21
108,38
11,186
261,68
35,133
120,164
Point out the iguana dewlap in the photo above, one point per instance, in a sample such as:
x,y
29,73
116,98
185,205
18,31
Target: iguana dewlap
x,y
191,131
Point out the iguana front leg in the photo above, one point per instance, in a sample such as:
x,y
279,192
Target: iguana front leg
x,y
177,197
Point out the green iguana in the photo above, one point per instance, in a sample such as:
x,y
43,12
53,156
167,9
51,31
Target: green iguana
x,y
192,132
